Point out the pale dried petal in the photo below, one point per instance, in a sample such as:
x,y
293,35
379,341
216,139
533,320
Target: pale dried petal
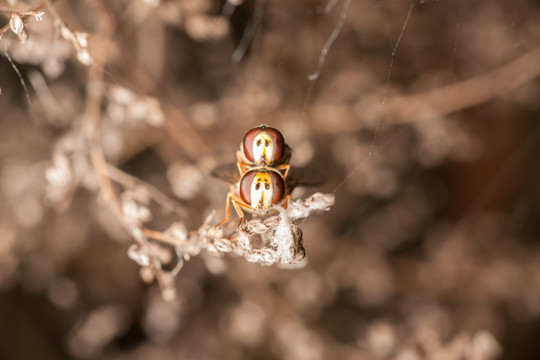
x,y
136,254
154,114
39,16
265,257
133,210
84,57
317,202
147,275
23,36
81,38
255,226
59,172
178,230
122,95
168,291
66,33
16,23
244,240
223,245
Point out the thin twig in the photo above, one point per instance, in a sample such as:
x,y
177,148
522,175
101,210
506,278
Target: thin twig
x,y
467,93
436,103
25,15
249,32
162,237
93,119
330,41
93,110
324,52
19,75
159,197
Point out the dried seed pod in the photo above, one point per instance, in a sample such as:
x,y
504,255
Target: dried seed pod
x,y
16,24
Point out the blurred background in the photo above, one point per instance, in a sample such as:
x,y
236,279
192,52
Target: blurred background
x,y
424,118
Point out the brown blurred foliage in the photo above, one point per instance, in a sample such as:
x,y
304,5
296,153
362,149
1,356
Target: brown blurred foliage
x,y
424,117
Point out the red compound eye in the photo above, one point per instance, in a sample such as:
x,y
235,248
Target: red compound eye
x,y
245,186
278,185
277,144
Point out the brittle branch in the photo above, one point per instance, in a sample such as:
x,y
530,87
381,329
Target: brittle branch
x,y
41,6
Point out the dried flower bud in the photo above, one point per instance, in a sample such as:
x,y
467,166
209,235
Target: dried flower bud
x,y
168,291
223,245
244,240
59,172
122,95
16,24
147,275
136,254
79,41
265,257
213,250
65,32
255,226
23,36
154,114
133,210
317,202
39,15
81,38
216,233
178,230
84,57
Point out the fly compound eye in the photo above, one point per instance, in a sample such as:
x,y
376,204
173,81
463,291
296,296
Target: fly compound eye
x,y
245,186
278,186
263,144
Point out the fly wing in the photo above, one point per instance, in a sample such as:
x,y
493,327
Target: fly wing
x,y
304,176
227,172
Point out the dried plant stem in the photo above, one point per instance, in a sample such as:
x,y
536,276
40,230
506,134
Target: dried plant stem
x,y
162,237
177,125
93,127
159,197
183,132
438,102
42,5
466,93
19,75
93,111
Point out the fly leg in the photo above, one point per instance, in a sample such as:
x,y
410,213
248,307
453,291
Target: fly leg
x,y
286,200
238,205
285,168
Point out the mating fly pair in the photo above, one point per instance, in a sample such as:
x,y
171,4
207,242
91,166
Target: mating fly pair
x,y
262,175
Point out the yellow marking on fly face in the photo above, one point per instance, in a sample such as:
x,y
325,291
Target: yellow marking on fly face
x,y
261,191
263,148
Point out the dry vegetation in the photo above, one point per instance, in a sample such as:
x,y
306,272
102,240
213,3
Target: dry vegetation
x,y
424,117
